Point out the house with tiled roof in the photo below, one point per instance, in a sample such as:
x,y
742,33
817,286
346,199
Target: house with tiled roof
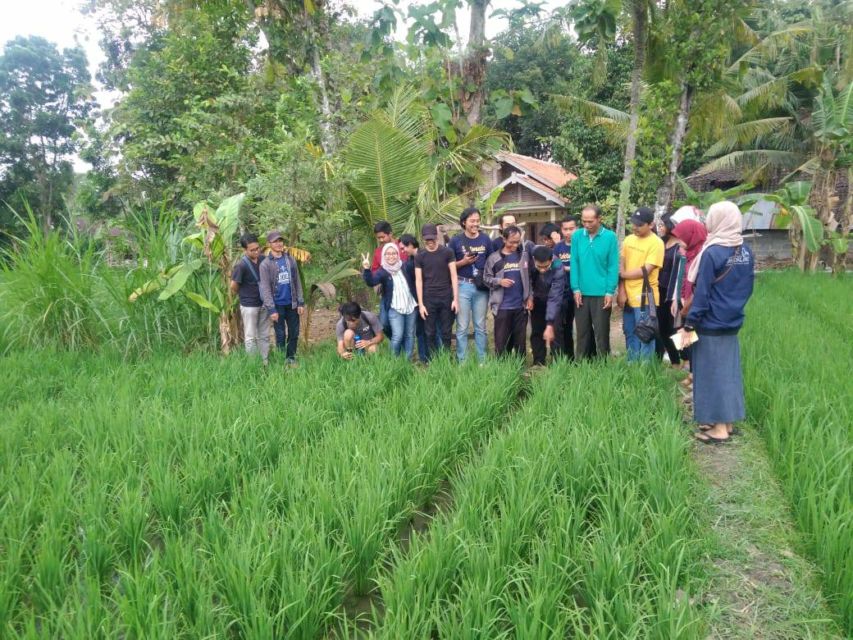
x,y
529,189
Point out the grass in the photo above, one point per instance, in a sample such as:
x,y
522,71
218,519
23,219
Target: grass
x,y
575,521
798,345
186,496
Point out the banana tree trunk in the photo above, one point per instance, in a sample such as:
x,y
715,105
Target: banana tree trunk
x,y
664,195
839,260
640,23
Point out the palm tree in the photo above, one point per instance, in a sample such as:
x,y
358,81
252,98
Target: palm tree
x,y
403,170
796,113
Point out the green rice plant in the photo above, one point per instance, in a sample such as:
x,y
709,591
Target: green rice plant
x,y
138,477
799,397
557,528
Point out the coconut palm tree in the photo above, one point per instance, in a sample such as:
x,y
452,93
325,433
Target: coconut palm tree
x,y
402,169
795,113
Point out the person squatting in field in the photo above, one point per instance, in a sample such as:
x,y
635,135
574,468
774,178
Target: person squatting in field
x,y
358,332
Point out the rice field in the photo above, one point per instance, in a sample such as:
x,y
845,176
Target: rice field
x,y
194,496
798,350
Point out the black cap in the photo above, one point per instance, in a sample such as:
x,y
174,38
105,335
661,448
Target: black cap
x,y
643,215
429,232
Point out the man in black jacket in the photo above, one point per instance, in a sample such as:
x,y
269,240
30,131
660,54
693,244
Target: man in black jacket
x,y
547,282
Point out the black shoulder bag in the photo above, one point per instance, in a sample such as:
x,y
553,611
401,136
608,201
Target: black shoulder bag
x,y
647,328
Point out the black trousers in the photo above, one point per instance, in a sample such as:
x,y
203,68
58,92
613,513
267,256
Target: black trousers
x,y
537,329
663,342
511,332
564,329
438,325
287,329
593,325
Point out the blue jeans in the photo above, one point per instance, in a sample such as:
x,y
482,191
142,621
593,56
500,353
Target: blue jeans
x,y
636,349
473,305
402,332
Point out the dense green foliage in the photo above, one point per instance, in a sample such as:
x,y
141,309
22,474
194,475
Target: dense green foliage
x,y
44,102
800,398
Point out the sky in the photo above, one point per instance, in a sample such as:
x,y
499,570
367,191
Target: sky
x,y
62,22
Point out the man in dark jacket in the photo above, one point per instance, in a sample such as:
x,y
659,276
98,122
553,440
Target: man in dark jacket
x,y
547,283
281,293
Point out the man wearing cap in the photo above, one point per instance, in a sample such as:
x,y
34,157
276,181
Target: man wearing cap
x,y
594,276
642,251
437,287
281,293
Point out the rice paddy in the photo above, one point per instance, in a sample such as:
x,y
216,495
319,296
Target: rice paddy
x,y
195,496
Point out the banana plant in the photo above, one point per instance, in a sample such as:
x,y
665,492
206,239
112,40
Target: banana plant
x,y
322,287
805,230
212,246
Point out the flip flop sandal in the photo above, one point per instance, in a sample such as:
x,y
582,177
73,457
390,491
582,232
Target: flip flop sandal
x,y
705,427
735,432
709,439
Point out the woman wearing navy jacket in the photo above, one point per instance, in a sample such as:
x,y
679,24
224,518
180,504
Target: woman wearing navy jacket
x,y
398,295
723,275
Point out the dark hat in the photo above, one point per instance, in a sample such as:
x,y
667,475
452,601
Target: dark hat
x,y
429,232
643,215
274,235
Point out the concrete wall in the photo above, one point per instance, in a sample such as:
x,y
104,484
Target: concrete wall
x,y
770,243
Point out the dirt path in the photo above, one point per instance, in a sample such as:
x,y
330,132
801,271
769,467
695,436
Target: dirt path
x,y
760,586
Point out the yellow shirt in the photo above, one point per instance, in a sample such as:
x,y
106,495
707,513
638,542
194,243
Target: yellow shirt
x,y
635,253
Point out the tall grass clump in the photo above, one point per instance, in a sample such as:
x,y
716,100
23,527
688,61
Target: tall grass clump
x,y
577,520
49,291
798,346
58,291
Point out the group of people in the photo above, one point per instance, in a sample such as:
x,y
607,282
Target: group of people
x,y
675,280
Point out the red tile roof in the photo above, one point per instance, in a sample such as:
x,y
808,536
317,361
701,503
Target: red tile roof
x,y
549,173
535,184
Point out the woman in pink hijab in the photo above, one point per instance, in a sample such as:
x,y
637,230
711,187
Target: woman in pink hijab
x,y
723,274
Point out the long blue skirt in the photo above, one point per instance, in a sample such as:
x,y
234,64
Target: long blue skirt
x,y
717,380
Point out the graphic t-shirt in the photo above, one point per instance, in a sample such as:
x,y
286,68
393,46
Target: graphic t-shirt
x,y
435,273
247,275
563,251
283,291
367,328
514,295
636,252
462,245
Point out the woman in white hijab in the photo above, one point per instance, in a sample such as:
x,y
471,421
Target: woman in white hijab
x,y
398,294
723,275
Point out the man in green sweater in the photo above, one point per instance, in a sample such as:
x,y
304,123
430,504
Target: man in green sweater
x,y
594,277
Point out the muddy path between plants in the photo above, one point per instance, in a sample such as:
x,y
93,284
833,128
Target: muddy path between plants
x,y
761,587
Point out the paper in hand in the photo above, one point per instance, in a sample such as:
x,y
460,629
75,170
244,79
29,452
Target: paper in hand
x,y
684,340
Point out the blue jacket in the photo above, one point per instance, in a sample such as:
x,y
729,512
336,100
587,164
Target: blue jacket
x,y
380,276
723,287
